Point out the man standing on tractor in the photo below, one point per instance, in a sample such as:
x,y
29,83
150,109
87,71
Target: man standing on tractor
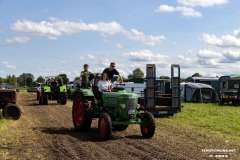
x,y
111,71
85,78
85,67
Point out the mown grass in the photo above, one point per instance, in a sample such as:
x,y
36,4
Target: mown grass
x,y
204,123
3,123
23,90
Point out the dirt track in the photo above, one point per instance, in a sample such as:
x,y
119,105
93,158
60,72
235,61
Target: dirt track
x,y
46,132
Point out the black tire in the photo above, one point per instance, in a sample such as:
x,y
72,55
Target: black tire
x,y
63,98
11,111
120,127
38,96
45,99
81,114
105,126
149,126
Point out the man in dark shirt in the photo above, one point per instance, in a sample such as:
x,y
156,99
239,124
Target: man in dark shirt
x,y
111,71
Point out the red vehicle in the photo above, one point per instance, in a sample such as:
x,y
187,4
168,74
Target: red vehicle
x,y
8,98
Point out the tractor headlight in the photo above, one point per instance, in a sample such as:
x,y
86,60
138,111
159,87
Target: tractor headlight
x,y
138,106
123,106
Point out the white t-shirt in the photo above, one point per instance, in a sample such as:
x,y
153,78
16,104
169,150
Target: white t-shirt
x,y
104,85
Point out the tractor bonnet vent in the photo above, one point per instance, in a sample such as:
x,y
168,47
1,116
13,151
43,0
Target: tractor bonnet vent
x,y
131,103
112,101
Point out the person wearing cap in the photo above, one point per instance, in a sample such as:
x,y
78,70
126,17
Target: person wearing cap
x,y
111,71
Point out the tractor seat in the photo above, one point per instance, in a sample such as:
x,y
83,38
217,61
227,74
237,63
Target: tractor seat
x,y
96,92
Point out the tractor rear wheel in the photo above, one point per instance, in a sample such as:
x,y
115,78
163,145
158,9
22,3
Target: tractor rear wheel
x,y
105,126
11,111
81,116
148,128
120,127
63,98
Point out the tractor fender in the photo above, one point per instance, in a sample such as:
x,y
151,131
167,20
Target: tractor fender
x,y
46,89
87,92
63,89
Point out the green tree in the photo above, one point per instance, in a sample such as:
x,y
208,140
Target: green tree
x,y
164,77
26,79
137,73
196,75
29,82
183,80
64,78
2,80
40,79
77,79
11,80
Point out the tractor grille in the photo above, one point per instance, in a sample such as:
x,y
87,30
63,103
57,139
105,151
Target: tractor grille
x,y
112,101
131,103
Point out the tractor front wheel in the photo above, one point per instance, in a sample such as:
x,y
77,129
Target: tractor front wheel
x,y
81,116
11,111
105,126
148,127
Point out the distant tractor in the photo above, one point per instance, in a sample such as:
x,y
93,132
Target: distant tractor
x,y
229,90
116,110
10,110
53,90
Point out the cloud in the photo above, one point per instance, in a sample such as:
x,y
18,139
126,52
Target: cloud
x,y
63,62
202,3
185,11
185,62
208,54
223,41
145,55
16,40
232,55
186,7
56,28
150,40
91,56
8,65
119,45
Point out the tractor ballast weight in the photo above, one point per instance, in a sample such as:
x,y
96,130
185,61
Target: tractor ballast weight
x,y
53,90
115,110
10,110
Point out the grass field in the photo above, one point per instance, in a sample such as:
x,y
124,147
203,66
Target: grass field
x,y
203,123
3,123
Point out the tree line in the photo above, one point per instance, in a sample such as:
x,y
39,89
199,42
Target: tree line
x,y
28,80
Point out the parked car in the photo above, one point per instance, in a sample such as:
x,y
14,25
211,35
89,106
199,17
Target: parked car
x,y
32,89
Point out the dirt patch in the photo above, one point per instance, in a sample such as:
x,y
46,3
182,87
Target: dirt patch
x,y
46,132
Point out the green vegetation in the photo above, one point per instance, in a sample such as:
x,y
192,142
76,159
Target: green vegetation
x,y
204,122
2,124
137,73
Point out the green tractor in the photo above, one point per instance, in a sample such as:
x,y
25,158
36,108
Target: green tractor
x,y
116,110
53,90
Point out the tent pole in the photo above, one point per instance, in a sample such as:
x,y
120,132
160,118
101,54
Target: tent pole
x,y
201,94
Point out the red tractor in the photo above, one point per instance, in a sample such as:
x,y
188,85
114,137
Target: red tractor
x,y
10,110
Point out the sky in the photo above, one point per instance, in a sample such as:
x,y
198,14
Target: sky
x,y
48,38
